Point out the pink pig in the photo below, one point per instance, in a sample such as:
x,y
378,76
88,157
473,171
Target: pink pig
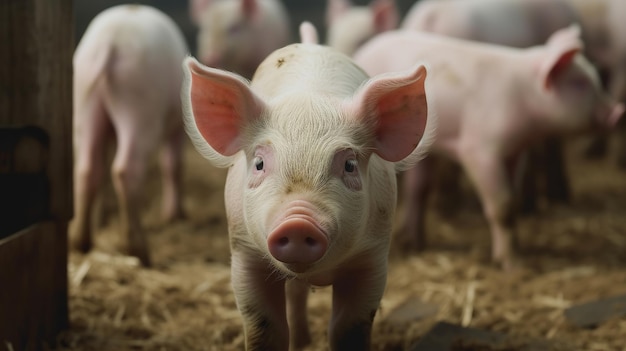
x,y
196,8
236,35
517,23
492,102
127,80
312,145
350,26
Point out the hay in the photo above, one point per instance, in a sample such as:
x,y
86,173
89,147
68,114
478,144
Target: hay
x,y
571,255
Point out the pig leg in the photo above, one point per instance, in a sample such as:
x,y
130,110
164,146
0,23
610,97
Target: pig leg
x,y
171,169
356,298
128,172
417,183
557,183
260,296
91,137
297,294
494,185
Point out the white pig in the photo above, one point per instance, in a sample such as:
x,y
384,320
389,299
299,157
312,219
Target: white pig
x,y
236,35
127,80
311,144
350,26
517,23
492,102
196,8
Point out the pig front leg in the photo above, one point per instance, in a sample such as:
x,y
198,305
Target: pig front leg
x,y
297,294
356,298
91,134
417,184
171,170
128,172
489,174
260,295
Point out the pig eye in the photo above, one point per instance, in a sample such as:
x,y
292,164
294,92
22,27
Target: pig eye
x,y
258,163
350,166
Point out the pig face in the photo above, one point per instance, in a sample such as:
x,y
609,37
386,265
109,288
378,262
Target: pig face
x,y
306,164
226,39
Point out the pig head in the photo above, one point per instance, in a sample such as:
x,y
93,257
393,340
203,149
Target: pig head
x,y
351,26
312,146
236,35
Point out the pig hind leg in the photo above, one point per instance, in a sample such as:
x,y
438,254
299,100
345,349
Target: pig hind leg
x,y
171,171
128,173
90,142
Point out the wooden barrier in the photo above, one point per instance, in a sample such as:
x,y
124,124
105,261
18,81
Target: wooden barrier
x,y
35,169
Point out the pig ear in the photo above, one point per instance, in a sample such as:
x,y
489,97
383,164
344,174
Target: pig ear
x,y
562,46
335,9
396,104
385,15
217,105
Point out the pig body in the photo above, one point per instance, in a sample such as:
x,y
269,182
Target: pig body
x,y
236,35
127,81
310,193
350,26
492,102
516,23
525,23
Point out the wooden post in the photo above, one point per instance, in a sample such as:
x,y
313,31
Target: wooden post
x,y
36,90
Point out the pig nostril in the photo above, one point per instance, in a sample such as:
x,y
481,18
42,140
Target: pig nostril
x,y
310,241
284,241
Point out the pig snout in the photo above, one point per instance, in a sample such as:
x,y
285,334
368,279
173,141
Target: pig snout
x,y
297,238
608,116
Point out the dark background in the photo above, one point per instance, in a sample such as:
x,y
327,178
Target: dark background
x,y
300,10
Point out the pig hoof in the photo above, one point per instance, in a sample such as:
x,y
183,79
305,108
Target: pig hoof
x,y
143,257
171,216
80,243
596,150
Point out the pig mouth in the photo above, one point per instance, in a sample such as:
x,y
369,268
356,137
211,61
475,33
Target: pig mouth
x,y
297,239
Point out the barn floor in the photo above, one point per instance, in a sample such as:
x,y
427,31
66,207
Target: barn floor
x,y
571,254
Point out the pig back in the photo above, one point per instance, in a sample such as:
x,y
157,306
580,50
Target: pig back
x,y
137,45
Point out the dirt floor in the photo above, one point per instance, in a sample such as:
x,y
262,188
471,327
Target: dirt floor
x,y
570,254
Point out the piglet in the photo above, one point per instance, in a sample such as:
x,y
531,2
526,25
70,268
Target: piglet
x,y
127,80
493,102
312,145
350,26
236,35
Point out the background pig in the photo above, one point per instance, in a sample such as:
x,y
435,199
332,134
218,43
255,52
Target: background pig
x,y
236,35
524,95
127,80
524,23
350,26
196,8
311,191
516,23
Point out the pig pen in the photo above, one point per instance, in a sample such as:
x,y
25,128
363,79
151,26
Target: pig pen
x,y
571,254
